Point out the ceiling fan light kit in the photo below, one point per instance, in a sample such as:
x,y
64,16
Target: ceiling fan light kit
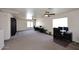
x,y
48,14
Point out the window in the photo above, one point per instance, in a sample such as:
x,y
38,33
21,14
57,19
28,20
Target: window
x,y
61,22
29,23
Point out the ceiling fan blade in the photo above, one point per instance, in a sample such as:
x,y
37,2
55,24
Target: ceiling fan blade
x,y
52,14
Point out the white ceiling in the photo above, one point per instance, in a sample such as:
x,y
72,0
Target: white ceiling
x,y
37,12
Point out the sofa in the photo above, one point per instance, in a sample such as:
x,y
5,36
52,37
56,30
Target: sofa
x,y
40,29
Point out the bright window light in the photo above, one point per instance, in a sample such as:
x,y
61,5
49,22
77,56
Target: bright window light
x,y
29,24
61,22
29,16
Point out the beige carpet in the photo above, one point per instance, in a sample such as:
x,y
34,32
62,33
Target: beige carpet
x,y
33,40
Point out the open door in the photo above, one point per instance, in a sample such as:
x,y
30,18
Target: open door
x,y
13,26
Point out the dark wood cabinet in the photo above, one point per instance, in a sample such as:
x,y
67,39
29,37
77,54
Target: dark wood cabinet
x,y
68,36
13,26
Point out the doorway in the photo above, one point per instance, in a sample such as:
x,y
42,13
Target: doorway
x,y
13,26
29,24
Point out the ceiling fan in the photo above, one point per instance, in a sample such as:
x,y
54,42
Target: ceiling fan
x,y
47,13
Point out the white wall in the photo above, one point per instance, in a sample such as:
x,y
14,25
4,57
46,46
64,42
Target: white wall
x,y
21,24
34,22
73,23
5,24
1,39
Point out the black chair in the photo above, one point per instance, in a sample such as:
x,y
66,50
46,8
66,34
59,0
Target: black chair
x,y
66,28
60,28
57,33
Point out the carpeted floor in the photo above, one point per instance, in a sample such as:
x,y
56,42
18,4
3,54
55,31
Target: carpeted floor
x,y
33,40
